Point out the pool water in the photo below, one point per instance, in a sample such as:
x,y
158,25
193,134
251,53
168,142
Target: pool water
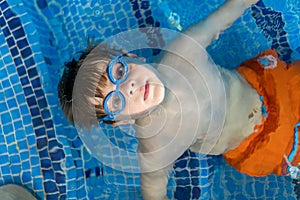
x,y
41,150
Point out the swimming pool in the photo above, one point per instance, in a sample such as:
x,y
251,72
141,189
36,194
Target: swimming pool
x,y
42,151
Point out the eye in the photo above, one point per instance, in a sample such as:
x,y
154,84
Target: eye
x,y
118,71
115,103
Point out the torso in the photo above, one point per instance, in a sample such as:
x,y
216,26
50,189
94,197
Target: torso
x,y
243,112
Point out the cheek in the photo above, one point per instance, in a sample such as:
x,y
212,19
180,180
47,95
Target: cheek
x,y
135,106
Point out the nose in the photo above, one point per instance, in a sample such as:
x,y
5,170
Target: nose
x,y
132,87
129,87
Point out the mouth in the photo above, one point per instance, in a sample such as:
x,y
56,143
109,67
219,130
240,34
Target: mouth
x,y
146,93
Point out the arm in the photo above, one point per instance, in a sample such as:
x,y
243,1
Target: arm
x,y
208,29
154,184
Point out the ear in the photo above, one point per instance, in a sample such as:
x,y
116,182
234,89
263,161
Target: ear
x,y
122,122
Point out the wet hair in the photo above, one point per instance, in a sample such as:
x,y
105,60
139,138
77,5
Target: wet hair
x,y
95,60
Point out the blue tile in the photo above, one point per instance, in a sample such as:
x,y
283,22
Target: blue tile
x,y
8,14
16,115
28,90
50,186
22,43
182,193
25,165
11,68
12,149
52,196
46,163
3,149
37,121
34,111
42,142
14,79
18,33
23,109
42,4
57,155
8,128
46,114
145,4
10,139
15,23
48,124
150,20
18,61
36,83
2,21
7,60
15,159
62,189
259,189
26,53
24,81
6,32
26,176
48,174
29,62
39,93
31,139
11,42
148,13
30,100
57,167
32,72
5,170
8,93
5,83
3,161
51,134
34,161
12,103
37,182
18,89
42,103
23,145
44,153
6,118
2,140
8,178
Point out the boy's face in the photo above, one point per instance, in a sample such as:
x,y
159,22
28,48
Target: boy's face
x,y
142,89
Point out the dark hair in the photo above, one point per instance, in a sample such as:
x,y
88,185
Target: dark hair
x,y
66,84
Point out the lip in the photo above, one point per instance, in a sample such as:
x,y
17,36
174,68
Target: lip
x,y
146,91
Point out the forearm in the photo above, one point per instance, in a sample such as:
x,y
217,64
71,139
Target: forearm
x,y
209,28
154,184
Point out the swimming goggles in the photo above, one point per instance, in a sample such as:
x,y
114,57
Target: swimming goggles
x,y
114,102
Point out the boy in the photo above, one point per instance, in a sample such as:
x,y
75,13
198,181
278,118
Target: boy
x,y
192,104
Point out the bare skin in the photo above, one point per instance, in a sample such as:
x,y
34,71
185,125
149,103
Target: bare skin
x,y
239,124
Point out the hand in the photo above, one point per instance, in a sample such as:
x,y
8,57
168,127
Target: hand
x,y
245,3
250,2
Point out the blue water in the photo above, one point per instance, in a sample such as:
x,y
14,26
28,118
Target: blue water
x,y
40,150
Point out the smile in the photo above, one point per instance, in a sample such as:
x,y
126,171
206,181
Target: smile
x,y
146,93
